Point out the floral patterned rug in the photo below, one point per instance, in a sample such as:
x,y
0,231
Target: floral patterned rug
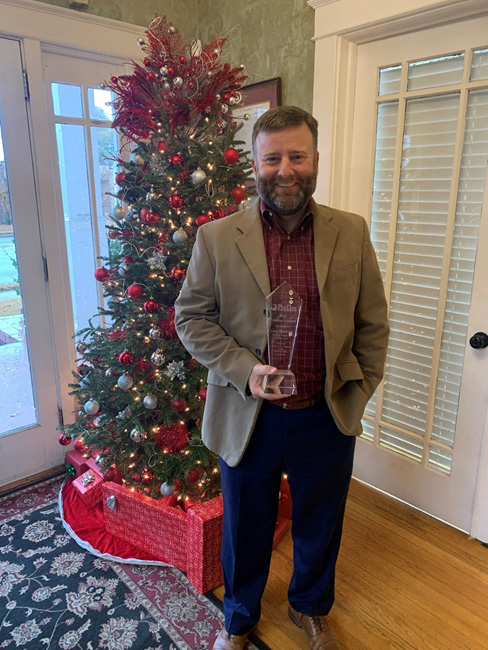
x,y
55,595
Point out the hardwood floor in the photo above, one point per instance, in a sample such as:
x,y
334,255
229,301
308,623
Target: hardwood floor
x,y
404,582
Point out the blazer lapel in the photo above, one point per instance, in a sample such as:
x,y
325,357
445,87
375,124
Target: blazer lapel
x,y
250,242
325,236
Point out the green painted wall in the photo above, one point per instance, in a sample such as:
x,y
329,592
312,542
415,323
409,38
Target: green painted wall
x,y
271,38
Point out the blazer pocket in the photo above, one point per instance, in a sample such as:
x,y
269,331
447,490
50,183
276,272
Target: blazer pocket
x,y
350,371
346,272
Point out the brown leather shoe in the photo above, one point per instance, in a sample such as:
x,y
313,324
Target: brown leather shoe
x,y
226,641
319,633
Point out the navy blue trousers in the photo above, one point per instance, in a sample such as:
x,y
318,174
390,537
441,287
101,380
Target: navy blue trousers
x,y
317,457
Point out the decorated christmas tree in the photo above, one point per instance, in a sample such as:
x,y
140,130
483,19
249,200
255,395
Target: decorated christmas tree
x,y
141,395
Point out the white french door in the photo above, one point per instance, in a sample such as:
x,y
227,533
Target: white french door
x,y
419,169
28,386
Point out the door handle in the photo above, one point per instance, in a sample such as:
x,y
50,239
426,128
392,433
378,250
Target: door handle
x,y
479,340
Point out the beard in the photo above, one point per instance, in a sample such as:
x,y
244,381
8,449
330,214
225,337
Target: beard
x,y
286,204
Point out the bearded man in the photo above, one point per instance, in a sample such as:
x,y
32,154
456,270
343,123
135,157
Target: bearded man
x,y
304,421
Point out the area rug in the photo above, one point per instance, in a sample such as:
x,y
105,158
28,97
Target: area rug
x,y
55,595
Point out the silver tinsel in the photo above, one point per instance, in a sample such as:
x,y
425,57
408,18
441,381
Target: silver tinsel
x,y
157,262
123,415
175,370
158,165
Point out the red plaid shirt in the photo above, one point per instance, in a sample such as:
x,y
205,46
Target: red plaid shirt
x,y
291,259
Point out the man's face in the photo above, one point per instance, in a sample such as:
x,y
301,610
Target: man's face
x,y
285,168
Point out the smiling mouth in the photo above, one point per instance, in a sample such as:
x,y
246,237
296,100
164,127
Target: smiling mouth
x,y
286,184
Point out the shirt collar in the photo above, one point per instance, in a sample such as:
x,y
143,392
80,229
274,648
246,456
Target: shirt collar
x,y
272,219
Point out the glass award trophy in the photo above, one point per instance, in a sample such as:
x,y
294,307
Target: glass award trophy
x,y
283,308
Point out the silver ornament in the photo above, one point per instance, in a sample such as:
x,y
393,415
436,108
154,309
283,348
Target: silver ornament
x,y
166,86
151,196
110,372
137,159
178,82
224,108
123,270
100,461
130,215
125,381
167,489
198,176
141,41
112,503
91,407
180,237
150,401
158,357
136,435
154,333
81,347
118,213
247,116
163,70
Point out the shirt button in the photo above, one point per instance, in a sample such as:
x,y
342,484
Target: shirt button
x,y
289,267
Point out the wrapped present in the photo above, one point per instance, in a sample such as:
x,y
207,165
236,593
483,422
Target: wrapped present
x,y
189,541
89,487
78,461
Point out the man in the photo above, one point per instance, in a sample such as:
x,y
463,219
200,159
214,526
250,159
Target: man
x,y
326,256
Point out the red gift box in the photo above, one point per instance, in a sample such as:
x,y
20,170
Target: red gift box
x,y
89,487
78,461
189,541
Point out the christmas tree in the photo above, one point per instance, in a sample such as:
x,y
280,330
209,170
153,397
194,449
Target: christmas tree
x,y
141,395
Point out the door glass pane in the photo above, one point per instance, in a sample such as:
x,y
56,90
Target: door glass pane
x,y
390,80
78,221
431,73
99,102
17,408
479,67
67,100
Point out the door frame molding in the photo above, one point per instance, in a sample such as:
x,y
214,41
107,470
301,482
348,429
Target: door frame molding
x,y
333,106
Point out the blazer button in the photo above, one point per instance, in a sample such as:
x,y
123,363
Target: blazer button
x,y
257,352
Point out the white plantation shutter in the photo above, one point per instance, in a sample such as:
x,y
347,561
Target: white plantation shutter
x,y
430,168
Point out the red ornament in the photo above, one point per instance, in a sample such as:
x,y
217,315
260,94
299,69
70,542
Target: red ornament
x,y
182,59
120,178
177,274
179,405
193,475
135,291
147,62
167,325
191,364
171,71
176,160
161,146
128,259
126,358
114,80
78,444
113,475
173,438
201,219
238,194
202,394
102,274
149,217
151,76
151,306
176,201
231,156
64,440
191,85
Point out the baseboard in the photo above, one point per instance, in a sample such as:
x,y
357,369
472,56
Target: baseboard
x,y
23,482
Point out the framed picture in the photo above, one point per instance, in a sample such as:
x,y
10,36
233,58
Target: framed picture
x,y
256,99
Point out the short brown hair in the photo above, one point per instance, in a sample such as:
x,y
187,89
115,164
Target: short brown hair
x,y
284,117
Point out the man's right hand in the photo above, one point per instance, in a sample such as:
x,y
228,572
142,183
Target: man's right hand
x,y
255,383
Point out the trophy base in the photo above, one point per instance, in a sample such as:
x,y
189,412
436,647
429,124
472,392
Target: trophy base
x,y
282,382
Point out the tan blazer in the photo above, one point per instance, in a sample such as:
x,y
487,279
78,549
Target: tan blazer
x,y
220,318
